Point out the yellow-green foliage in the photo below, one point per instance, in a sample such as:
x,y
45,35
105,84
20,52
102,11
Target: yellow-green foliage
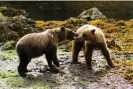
x,y
120,30
70,23
125,68
2,17
75,21
49,24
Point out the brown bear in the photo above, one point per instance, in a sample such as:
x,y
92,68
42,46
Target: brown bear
x,y
90,37
36,44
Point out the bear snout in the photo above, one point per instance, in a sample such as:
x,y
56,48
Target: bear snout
x,y
80,38
75,34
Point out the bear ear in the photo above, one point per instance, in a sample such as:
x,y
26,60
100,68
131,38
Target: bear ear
x,y
93,31
62,28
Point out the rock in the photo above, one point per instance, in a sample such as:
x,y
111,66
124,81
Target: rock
x,y
16,25
11,12
92,14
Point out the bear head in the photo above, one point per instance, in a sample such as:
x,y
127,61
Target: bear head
x,y
67,34
86,35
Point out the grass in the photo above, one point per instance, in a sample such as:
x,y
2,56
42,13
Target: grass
x,y
12,80
8,54
6,73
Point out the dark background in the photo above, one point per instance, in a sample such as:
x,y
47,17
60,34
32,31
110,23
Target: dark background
x,y
61,10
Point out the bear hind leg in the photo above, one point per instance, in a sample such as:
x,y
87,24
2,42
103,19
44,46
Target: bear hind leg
x,y
106,53
22,68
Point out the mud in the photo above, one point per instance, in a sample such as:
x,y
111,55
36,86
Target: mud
x,y
71,76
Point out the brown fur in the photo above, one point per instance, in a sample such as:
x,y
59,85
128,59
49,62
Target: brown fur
x,y
90,37
36,44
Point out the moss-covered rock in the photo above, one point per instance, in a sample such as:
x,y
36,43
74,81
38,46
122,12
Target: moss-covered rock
x,y
14,24
2,17
92,14
10,12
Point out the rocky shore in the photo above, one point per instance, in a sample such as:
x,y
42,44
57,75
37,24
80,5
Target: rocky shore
x,y
15,23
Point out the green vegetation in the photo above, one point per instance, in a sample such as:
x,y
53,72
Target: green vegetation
x,y
2,18
6,74
69,23
119,31
26,83
8,54
124,67
8,45
11,79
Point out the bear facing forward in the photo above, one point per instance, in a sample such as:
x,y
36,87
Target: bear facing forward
x,y
36,44
90,37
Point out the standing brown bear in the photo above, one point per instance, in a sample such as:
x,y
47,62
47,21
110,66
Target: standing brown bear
x,y
36,44
90,37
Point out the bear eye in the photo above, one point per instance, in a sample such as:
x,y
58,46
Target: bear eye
x,y
62,28
84,35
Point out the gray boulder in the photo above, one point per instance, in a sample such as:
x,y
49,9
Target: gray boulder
x,y
92,14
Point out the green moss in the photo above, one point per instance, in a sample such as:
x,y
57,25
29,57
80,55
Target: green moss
x,y
26,84
124,68
120,30
8,54
12,80
76,21
7,74
67,47
69,23
18,82
2,17
15,82
39,84
8,45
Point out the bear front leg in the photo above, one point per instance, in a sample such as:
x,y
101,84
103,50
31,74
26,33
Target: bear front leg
x,y
76,47
49,58
88,55
54,57
106,53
